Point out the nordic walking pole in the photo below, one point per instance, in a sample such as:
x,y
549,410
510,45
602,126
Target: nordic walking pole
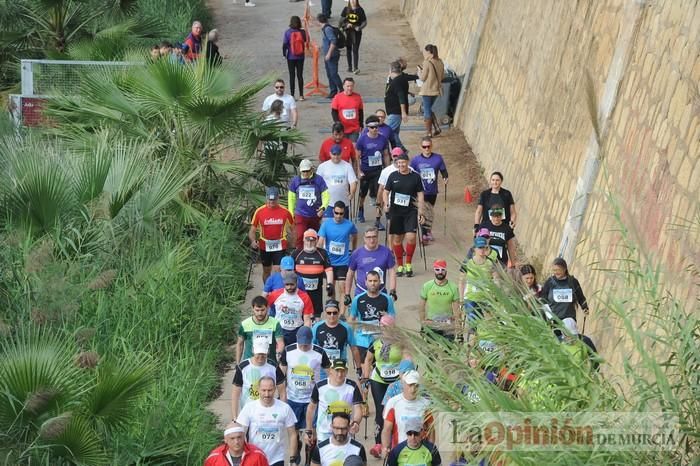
x,y
583,331
445,213
421,246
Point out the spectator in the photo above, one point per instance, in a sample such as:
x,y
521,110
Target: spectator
x,y
353,20
331,55
193,42
213,56
293,46
289,115
396,98
155,53
431,73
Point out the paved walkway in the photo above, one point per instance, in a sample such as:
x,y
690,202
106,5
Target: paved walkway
x,y
254,34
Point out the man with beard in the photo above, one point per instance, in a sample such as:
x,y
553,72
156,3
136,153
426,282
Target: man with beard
x,y
339,446
259,326
347,147
266,420
366,310
313,265
441,298
291,307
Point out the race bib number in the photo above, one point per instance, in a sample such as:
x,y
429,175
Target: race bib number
x,y
332,353
349,114
337,180
563,295
307,193
301,382
375,160
289,320
337,248
498,249
389,371
262,335
370,327
272,245
427,174
402,199
268,434
310,284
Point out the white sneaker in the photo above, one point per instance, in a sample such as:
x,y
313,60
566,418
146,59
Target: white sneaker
x,y
250,4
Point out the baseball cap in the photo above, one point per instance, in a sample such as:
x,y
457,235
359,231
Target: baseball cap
x,y
289,277
260,346
440,264
413,424
401,157
305,165
287,263
480,242
336,149
310,233
411,377
387,320
339,364
304,335
272,192
570,326
484,232
332,303
406,365
396,151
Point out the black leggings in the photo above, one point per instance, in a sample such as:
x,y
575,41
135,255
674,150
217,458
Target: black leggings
x,y
378,391
352,46
296,67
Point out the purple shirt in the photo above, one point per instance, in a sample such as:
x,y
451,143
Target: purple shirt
x,y
363,261
385,130
428,168
308,192
371,152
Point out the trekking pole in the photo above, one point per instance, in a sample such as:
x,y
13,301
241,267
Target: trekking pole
x,y
253,258
386,232
583,331
445,214
421,246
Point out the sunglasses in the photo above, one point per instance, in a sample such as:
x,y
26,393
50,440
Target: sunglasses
x,y
439,270
309,239
338,213
306,171
413,433
373,127
332,313
426,147
279,87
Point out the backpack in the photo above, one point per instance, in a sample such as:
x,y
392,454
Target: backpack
x,y
296,43
339,37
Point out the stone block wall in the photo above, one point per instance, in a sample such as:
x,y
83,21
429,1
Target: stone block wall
x,y
525,114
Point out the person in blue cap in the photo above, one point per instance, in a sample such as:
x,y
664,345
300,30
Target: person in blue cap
x,y
394,388
275,281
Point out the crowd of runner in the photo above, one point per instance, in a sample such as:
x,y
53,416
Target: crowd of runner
x,y
329,300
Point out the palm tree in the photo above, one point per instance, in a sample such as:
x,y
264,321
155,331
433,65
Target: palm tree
x,y
53,410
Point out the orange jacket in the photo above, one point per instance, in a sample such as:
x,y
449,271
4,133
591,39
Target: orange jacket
x,y
252,456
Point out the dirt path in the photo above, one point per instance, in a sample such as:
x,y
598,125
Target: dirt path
x,y
255,35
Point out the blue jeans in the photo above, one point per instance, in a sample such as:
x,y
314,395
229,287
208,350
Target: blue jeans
x,y
428,101
335,84
394,122
326,7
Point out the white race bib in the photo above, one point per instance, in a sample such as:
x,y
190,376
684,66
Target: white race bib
x,y
262,335
402,199
268,434
389,371
300,381
337,180
307,193
428,174
498,249
272,245
332,353
337,248
563,295
349,114
375,160
310,284
289,320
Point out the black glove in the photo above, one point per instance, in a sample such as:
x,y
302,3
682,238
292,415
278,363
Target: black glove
x,y
296,459
392,293
476,229
358,371
347,300
330,289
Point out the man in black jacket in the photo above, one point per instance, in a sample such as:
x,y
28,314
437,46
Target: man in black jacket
x,y
396,99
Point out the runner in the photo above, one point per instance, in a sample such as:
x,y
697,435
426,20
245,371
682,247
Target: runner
x,y
259,326
373,149
312,264
384,175
367,309
236,450
347,147
292,308
334,336
372,256
266,420
335,394
495,195
404,412
427,164
396,387
441,298
302,362
313,197
502,238
340,179
273,222
247,375
275,281
477,273
403,200
348,109
415,449
563,291
334,450
384,129
339,237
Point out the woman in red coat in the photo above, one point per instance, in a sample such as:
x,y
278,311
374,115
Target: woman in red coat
x,y
235,450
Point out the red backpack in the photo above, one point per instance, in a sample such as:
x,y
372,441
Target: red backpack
x,y
296,43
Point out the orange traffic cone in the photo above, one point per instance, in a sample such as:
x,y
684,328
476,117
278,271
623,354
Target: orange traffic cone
x,y
468,195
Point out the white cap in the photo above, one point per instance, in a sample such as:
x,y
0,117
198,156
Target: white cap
x,y
260,346
411,377
570,326
305,165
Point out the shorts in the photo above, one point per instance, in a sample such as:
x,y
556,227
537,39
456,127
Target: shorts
x,y
299,410
404,223
428,101
271,258
316,297
370,183
353,136
340,272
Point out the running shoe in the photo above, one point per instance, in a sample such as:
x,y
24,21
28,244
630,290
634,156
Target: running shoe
x,y
409,270
399,271
376,450
349,69
425,240
356,71
361,215
379,225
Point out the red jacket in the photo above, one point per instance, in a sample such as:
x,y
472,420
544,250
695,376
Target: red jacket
x,y
252,456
